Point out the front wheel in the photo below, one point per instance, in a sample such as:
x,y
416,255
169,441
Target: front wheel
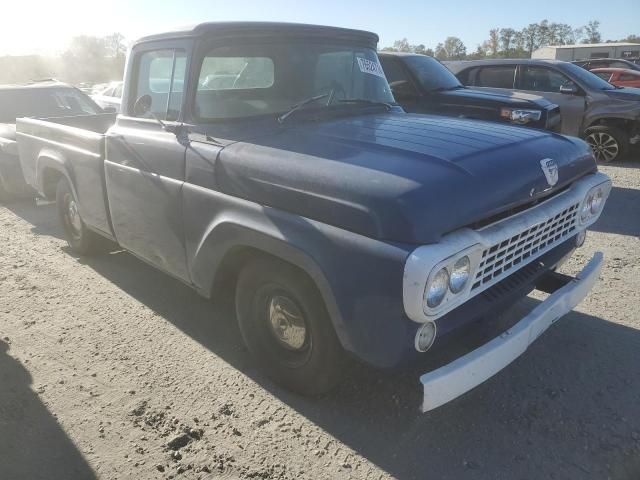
x,y
608,143
286,327
81,240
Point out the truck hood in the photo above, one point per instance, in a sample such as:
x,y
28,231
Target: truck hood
x,y
516,99
626,93
399,177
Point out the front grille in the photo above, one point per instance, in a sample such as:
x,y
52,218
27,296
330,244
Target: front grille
x,y
502,258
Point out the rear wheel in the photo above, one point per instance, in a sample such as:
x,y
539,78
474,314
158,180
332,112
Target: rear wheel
x,y
608,143
81,240
286,327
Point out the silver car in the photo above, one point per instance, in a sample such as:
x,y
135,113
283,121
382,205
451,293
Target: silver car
x,y
607,117
110,97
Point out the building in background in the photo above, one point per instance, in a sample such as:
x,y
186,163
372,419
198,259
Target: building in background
x,y
589,50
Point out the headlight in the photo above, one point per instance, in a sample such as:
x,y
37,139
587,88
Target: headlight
x,y
460,274
437,288
592,203
521,115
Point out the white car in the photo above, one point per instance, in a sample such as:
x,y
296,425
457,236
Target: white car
x,y
110,96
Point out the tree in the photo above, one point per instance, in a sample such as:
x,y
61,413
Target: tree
x,y
493,44
479,54
506,40
627,39
94,59
402,45
531,37
451,49
592,32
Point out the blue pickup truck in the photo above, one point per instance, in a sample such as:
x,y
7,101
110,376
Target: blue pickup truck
x,y
271,160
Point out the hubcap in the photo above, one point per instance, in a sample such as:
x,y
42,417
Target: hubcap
x,y
605,147
287,322
74,216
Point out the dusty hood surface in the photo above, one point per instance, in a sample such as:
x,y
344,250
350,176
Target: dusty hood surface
x,y
399,177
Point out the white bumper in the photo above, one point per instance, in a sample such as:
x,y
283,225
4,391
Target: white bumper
x,y
460,376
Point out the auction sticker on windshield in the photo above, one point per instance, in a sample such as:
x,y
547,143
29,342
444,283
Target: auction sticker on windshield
x,y
370,66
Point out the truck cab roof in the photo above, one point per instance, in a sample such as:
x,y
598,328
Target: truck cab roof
x,y
265,28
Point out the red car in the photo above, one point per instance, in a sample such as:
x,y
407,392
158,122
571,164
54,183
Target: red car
x,y
620,77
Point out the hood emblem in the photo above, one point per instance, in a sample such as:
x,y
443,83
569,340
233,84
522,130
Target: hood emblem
x,y
550,170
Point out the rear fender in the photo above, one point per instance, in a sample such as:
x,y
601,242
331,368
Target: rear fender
x,y
50,161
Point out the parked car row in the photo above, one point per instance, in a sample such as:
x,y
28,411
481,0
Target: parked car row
x,y
606,116
278,170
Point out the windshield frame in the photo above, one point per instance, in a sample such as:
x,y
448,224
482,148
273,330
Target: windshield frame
x,y
209,44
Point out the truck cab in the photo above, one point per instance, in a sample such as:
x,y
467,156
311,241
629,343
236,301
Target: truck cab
x,y
269,162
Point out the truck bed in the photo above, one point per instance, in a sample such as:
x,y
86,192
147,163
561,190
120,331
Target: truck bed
x,y
49,147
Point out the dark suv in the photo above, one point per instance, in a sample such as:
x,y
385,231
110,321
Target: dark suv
x,y
607,117
421,84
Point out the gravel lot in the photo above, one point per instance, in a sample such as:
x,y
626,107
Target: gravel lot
x,y
110,369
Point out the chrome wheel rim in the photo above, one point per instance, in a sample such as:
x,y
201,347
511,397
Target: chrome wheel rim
x,y
605,146
73,216
287,323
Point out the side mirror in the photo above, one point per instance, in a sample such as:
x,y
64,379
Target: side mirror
x,y
142,106
569,89
109,110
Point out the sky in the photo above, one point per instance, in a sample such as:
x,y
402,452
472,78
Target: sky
x,y
46,26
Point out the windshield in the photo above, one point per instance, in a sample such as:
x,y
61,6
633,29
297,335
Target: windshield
x,y
586,78
267,78
44,102
431,74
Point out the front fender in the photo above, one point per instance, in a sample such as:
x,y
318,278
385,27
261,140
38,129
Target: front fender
x,y
359,278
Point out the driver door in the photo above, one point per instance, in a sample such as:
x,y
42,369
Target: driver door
x,y
145,162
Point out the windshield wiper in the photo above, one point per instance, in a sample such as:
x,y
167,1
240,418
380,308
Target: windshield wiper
x,y
364,101
301,104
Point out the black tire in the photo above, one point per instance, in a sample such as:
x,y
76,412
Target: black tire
x,y
314,363
609,144
81,240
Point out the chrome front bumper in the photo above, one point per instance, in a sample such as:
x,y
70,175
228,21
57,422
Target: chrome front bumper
x,y
458,377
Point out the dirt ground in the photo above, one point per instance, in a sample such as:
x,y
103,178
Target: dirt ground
x,y
110,369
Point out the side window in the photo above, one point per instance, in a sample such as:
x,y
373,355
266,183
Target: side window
x,y
540,79
397,77
627,77
465,75
603,75
498,77
393,70
161,75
